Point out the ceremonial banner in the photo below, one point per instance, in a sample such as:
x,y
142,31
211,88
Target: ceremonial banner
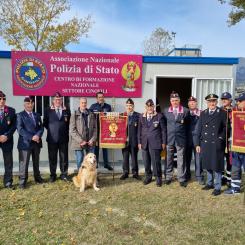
x,y
76,74
113,131
238,131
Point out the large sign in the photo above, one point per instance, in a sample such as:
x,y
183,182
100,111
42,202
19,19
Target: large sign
x,y
76,74
113,131
238,131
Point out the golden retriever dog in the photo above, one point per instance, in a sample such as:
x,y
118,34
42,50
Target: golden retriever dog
x,y
87,174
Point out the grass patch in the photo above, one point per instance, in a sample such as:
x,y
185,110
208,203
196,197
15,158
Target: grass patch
x,y
123,212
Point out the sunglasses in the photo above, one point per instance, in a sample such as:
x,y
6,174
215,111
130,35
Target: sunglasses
x,y
2,98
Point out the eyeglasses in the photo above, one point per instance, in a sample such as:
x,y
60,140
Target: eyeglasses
x,y
2,98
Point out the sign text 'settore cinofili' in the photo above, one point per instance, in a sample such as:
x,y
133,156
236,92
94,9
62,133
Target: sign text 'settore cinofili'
x,y
76,74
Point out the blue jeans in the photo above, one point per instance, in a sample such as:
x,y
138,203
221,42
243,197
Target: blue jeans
x,y
238,160
79,154
214,178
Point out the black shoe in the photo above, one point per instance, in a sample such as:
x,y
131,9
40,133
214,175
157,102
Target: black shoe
x,y
201,182
147,181
136,176
124,176
52,179
207,187
223,181
39,180
159,182
216,192
167,182
108,166
9,185
64,178
183,184
22,186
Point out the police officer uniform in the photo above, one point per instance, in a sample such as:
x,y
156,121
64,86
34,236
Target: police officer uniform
x,y
98,108
29,124
131,148
177,121
7,128
190,149
151,137
56,121
226,177
211,137
238,161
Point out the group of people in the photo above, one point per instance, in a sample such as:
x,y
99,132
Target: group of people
x,y
186,131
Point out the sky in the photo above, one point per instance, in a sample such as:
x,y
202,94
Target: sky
x,y
120,26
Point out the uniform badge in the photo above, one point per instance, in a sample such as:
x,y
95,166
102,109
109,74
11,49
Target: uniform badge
x,y
136,124
155,124
182,121
8,122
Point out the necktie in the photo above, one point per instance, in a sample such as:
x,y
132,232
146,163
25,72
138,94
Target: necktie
x,y
32,118
58,113
130,119
175,113
1,115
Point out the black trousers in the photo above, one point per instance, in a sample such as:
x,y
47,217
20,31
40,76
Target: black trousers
x,y
24,159
152,156
198,166
133,151
53,150
8,167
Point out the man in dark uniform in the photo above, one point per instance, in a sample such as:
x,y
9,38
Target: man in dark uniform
x,y
226,100
30,129
98,107
56,121
132,142
176,117
152,140
238,158
7,129
191,127
210,141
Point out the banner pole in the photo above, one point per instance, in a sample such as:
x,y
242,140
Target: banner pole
x,y
113,105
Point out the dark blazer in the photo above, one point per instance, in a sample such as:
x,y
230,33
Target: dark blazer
x,y
57,129
153,133
176,128
133,123
192,127
211,137
96,107
8,127
27,129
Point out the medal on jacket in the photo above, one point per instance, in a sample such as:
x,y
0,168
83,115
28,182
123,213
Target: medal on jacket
x,y
136,124
155,124
182,121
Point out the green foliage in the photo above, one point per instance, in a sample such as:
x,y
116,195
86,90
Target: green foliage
x,y
237,13
36,24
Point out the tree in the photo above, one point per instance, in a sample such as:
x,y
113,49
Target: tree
x,y
36,24
238,11
159,43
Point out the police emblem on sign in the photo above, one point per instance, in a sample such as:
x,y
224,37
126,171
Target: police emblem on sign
x,y
30,73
